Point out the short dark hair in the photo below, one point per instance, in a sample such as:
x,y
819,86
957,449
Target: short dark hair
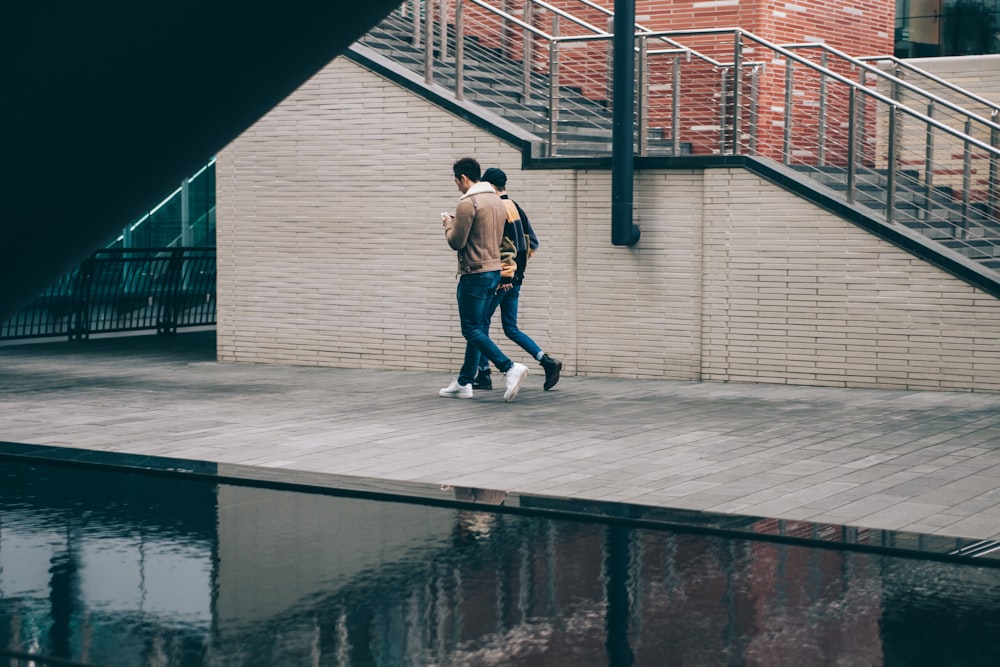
x,y
496,177
467,166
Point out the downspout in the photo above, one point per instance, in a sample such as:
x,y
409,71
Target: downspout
x,y
623,231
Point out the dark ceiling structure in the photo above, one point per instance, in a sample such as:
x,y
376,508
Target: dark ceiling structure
x,y
108,106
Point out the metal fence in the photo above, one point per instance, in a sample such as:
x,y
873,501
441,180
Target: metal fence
x,y
123,290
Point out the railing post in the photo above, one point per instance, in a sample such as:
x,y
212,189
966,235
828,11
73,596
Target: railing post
x,y
861,119
429,43
890,193
737,83
528,52
167,323
994,166
554,89
443,25
459,52
675,109
929,164
966,175
610,80
754,113
723,121
821,149
642,96
186,212
852,141
415,5
789,83
79,327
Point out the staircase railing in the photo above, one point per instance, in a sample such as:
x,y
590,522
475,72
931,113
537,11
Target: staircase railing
x,y
889,81
907,166
556,69
958,117
912,159
930,82
185,217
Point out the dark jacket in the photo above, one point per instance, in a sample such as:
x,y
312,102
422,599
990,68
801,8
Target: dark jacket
x,y
519,243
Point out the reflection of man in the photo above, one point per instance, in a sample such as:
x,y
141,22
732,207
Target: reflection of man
x,y
484,496
473,526
475,231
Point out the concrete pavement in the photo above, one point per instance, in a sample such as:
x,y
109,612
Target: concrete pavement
x,y
926,462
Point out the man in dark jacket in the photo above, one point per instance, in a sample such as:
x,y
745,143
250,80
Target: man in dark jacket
x,y
475,231
519,243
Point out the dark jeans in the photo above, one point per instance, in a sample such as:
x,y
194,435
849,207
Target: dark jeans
x,y
475,293
507,301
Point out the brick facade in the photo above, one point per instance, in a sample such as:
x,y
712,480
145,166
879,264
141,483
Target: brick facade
x,y
331,254
857,28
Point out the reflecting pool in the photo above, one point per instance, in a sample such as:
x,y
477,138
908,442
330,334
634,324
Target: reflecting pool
x,y
121,568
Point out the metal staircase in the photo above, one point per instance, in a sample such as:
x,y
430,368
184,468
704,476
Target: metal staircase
x,y
907,149
494,81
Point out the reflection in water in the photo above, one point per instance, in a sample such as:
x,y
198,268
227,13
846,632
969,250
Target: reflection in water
x,y
116,569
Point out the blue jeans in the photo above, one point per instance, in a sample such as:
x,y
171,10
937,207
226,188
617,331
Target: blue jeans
x,y
475,294
507,301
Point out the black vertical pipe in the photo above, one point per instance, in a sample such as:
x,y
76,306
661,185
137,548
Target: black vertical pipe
x,y
623,230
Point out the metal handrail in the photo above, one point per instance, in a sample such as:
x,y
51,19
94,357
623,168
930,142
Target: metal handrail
x,y
874,94
642,29
937,80
859,62
179,192
566,15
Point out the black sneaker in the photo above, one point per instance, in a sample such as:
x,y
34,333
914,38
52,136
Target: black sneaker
x,y
552,368
483,380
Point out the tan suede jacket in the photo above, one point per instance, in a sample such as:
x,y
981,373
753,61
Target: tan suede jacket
x,y
476,230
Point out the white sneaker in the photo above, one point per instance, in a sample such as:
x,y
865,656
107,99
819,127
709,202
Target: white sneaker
x,y
515,376
456,390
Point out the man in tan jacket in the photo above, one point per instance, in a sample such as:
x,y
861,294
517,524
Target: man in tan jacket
x,y
475,231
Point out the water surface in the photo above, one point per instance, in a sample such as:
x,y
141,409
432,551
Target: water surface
x,y
119,569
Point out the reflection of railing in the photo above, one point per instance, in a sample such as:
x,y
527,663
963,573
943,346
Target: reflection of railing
x,y
124,290
19,659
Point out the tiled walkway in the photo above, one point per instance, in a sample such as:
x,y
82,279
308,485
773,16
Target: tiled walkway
x,y
926,462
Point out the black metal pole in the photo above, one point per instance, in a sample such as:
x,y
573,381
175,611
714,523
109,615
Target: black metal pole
x,y
623,230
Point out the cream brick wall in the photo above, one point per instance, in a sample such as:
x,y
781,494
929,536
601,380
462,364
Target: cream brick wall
x,y
331,253
796,295
331,250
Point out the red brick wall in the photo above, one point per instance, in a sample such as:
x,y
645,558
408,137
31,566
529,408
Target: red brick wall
x,y
857,28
